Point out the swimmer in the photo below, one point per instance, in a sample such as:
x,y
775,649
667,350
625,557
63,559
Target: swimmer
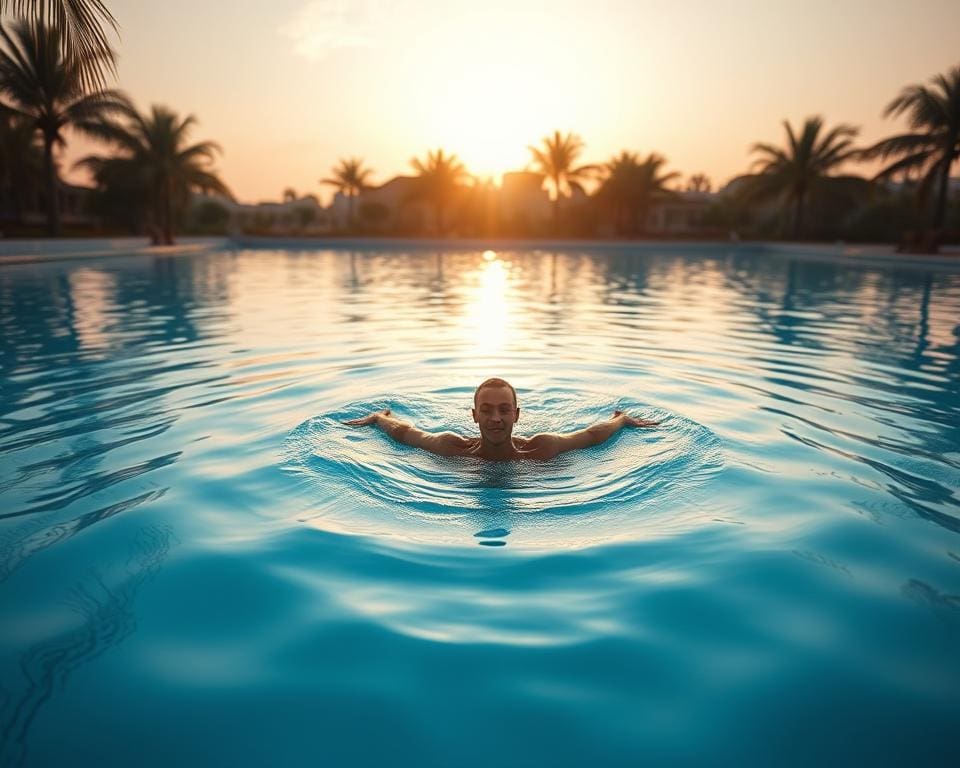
x,y
495,410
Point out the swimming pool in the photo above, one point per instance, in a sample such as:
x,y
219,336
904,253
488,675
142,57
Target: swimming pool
x,y
200,565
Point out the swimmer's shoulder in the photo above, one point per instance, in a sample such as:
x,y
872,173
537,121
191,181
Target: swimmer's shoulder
x,y
542,446
447,443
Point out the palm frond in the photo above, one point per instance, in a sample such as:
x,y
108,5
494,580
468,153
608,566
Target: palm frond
x,y
911,162
204,151
897,145
84,38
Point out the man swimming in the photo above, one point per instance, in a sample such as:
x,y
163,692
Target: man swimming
x,y
495,410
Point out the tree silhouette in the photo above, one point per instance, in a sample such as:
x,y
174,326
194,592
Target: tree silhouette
x,y
439,177
631,185
46,89
350,178
699,182
555,159
933,145
155,158
83,37
801,168
21,162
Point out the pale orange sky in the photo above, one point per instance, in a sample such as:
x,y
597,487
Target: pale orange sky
x,y
290,86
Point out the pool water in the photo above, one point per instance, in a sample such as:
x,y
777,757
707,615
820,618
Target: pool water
x,y
201,565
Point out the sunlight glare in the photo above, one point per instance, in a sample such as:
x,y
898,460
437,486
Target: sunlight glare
x,y
491,106
487,316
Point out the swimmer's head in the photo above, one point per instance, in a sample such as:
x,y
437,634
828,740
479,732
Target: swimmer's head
x,y
498,383
495,410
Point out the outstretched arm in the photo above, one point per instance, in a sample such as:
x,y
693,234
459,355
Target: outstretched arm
x,y
600,432
442,443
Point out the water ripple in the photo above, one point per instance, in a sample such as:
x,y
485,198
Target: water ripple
x,y
612,491
789,533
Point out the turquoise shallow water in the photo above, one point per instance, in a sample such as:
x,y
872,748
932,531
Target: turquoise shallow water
x,y
199,565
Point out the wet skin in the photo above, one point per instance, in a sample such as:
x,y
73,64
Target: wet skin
x,y
495,413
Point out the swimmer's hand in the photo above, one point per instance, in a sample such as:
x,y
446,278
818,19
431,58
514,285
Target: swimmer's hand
x,y
365,421
633,421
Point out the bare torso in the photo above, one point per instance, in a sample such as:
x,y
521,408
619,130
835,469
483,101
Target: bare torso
x,y
496,442
536,448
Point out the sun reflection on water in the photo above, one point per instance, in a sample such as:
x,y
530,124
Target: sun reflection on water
x,y
488,307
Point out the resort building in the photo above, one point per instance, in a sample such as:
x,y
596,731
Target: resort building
x,y
681,214
391,207
302,216
27,208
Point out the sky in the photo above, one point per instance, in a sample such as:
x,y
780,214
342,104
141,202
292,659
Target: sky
x,y
290,86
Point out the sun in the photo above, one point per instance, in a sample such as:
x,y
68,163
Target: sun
x,y
490,107
486,122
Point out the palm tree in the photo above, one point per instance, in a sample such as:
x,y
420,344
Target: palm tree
x,y
699,182
439,178
933,145
83,36
802,168
46,89
155,157
21,163
633,185
350,178
555,159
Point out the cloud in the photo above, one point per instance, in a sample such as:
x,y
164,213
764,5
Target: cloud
x,y
322,26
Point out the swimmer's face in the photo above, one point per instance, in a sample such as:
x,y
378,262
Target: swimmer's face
x,y
496,413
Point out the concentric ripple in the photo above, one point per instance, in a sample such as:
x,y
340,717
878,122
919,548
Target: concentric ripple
x,y
617,490
175,549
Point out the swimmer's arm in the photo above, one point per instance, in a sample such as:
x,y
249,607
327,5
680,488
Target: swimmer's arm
x,y
440,443
551,444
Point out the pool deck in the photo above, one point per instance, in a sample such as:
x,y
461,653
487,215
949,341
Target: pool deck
x,y
63,249
42,250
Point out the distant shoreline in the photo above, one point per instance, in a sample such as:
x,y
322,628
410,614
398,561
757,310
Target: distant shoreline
x,y
27,251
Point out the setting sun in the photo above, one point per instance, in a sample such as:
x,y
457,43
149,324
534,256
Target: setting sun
x,y
488,113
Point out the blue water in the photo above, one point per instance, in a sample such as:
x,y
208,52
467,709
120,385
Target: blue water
x,y
200,565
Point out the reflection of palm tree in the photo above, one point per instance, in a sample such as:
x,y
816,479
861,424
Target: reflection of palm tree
x,y
802,168
47,90
439,178
350,178
154,154
555,159
19,551
107,618
934,142
632,185
83,36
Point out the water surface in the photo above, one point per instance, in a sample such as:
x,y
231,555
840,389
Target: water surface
x,y
199,564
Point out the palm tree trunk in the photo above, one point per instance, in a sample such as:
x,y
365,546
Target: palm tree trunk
x,y
350,196
798,217
53,207
556,205
940,211
167,213
153,220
